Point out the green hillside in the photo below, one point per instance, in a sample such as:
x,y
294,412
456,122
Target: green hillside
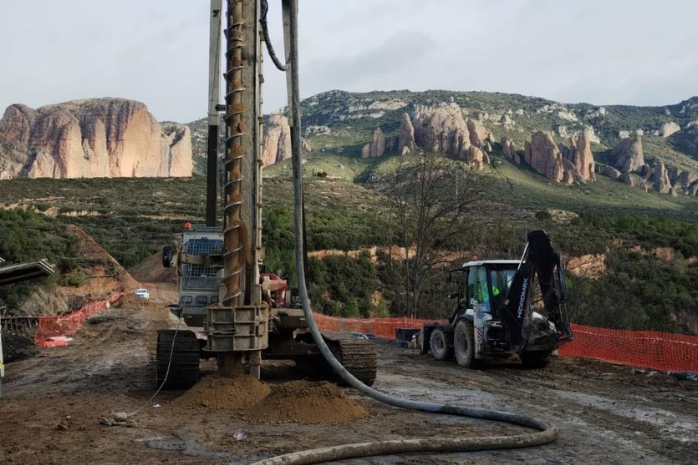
x,y
647,242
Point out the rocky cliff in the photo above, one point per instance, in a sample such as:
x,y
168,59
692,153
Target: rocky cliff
x,y
558,162
544,156
277,140
276,144
440,128
344,124
629,162
91,139
376,148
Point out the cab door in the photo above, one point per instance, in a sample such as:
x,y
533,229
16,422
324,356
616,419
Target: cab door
x,y
480,302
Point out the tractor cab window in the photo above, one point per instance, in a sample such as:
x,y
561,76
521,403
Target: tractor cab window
x,y
477,288
501,281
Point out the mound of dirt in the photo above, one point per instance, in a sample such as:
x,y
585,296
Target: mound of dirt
x,y
130,301
308,403
224,394
151,270
300,402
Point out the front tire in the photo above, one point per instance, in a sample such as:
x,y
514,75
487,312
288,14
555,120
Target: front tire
x,y
464,343
438,343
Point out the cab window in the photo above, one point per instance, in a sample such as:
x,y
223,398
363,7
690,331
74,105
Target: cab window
x,y
477,288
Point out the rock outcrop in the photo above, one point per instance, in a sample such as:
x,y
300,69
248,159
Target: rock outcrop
x,y
581,157
629,155
406,139
634,180
441,129
608,171
90,139
544,156
479,135
376,148
277,140
509,150
630,162
558,163
660,179
668,129
475,158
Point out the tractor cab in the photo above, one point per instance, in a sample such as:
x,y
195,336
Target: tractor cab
x,y
484,286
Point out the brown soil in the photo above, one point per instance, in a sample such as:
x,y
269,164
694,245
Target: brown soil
x,y
605,413
224,394
308,403
300,402
130,301
151,270
92,250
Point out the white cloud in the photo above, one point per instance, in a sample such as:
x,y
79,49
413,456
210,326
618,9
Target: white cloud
x,y
600,51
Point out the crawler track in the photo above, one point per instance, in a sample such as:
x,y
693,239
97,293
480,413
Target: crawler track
x,y
357,355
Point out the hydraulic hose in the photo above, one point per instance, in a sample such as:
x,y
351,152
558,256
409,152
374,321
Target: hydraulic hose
x,y
546,432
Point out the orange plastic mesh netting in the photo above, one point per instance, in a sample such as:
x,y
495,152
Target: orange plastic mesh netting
x,y
645,349
63,325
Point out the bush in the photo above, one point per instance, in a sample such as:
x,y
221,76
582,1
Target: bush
x,y
75,278
543,216
27,236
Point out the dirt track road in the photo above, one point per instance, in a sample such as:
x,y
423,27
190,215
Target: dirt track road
x,y
605,413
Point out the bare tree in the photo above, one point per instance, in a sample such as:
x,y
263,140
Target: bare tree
x,y
430,195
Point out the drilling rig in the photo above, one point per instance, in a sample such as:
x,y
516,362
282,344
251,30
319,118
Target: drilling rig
x,y
239,312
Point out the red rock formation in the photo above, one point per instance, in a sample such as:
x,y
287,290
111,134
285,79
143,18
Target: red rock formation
x,y
441,129
660,178
277,140
91,138
544,156
376,148
629,155
581,156
406,137
476,158
479,135
509,150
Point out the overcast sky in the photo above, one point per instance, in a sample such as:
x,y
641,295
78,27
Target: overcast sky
x,y
599,51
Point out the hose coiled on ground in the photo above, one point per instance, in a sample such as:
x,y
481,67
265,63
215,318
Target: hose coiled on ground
x,y
546,433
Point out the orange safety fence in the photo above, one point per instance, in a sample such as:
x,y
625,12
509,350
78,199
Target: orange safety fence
x,y
644,349
380,327
69,324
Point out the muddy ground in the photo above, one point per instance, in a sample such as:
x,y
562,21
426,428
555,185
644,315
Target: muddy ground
x,y
53,402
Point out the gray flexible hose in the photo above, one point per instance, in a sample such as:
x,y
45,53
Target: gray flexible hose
x,y
546,433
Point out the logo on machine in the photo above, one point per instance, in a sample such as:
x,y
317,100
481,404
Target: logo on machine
x,y
522,301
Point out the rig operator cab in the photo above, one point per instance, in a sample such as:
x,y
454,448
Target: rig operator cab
x,y
496,314
198,260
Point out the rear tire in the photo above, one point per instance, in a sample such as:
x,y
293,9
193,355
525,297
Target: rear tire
x,y
535,359
184,368
464,343
438,343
